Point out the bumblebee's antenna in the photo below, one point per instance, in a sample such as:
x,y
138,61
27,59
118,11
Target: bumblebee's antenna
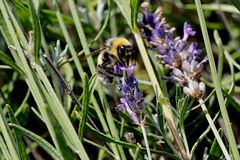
x,y
93,53
83,57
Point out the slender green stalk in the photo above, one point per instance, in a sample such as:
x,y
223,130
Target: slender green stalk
x,y
185,142
217,84
40,141
4,149
5,67
137,152
165,104
16,25
100,147
91,64
220,54
37,94
214,129
68,40
145,139
79,66
8,137
61,115
203,135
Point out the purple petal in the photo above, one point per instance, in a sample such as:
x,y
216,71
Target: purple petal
x,y
121,107
117,69
187,29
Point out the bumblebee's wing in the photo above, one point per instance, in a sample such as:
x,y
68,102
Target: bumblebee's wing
x,y
93,53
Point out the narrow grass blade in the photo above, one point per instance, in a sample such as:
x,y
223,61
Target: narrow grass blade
x,y
5,59
85,103
8,137
4,149
33,84
40,141
236,3
19,4
92,83
60,114
51,16
214,129
234,102
21,148
217,84
112,128
100,147
202,136
135,4
124,6
215,151
215,7
36,30
182,109
220,53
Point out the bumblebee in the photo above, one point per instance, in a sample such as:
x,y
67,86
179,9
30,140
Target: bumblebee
x,y
116,50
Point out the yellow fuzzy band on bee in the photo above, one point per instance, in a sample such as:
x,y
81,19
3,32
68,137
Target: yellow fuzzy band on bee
x,y
116,42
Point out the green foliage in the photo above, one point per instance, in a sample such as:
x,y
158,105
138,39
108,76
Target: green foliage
x,y
41,142
215,151
6,60
236,3
86,97
135,4
37,31
18,136
63,111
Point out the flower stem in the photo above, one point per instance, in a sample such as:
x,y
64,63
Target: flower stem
x,y
214,129
227,123
159,94
145,139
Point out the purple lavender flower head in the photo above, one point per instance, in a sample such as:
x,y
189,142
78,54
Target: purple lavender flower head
x,y
132,97
178,54
170,49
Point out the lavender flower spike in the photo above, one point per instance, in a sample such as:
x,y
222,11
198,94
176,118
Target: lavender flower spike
x,y
132,97
177,54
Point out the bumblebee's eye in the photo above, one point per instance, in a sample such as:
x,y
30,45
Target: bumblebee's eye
x,y
122,51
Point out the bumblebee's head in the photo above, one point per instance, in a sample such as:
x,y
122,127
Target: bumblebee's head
x,y
121,48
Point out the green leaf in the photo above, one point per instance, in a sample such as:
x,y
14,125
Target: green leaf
x,y
19,4
57,132
229,132
106,138
215,151
50,15
85,106
178,94
182,109
148,112
5,59
92,83
124,6
21,148
161,120
40,141
125,116
4,149
8,136
236,3
37,30
232,101
135,4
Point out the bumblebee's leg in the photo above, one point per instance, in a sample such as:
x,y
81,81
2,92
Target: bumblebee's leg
x,y
108,67
105,74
